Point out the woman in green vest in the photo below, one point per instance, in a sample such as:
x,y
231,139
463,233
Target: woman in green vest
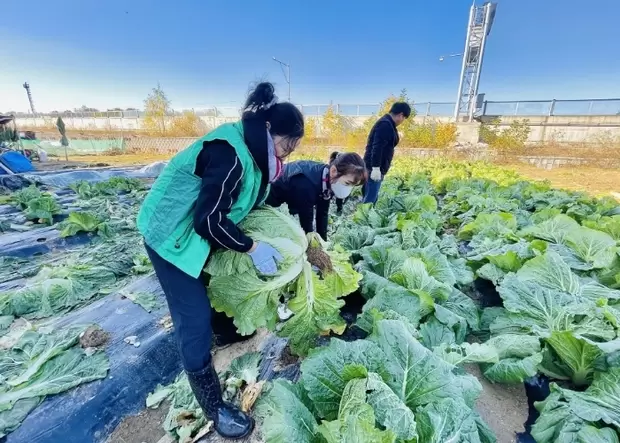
x,y
194,207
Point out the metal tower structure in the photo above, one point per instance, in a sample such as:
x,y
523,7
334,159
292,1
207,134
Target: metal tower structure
x,y
480,22
27,88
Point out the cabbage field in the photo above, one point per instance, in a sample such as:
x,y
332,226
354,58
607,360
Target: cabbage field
x,y
457,264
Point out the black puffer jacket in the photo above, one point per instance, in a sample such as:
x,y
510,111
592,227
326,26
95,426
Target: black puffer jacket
x,y
382,140
301,188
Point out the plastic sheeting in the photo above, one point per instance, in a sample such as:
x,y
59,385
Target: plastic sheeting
x,y
62,179
90,412
38,241
154,169
10,183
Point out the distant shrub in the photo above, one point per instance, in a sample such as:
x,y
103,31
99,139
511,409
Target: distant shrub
x,y
512,138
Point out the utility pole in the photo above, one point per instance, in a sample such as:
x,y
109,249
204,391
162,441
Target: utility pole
x,y
27,88
287,74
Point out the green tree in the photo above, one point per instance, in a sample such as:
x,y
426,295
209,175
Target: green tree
x,y
156,108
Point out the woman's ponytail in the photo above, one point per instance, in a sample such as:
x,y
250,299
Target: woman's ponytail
x,y
260,99
333,156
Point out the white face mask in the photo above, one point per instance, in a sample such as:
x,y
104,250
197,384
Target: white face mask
x,y
341,190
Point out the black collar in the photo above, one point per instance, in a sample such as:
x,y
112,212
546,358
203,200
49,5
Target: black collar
x,y
390,119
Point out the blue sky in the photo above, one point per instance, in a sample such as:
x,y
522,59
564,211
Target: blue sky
x,y
111,53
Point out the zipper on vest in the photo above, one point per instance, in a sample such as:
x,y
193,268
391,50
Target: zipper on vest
x,y
177,245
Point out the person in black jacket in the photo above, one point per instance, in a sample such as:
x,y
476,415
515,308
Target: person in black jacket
x,y
307,187
382,140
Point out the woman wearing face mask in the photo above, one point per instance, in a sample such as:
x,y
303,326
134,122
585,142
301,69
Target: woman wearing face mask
x,y
194,207
307,187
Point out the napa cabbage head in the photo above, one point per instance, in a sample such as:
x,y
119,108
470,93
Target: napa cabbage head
x,y
237,289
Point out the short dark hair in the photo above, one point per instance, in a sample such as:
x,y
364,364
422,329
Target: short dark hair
x,y
401,108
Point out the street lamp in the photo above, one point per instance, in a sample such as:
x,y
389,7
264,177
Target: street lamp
x,y
287,74
443,57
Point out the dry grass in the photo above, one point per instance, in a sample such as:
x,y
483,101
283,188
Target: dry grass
x,y
593,180
120,160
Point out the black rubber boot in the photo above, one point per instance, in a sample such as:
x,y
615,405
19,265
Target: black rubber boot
x,y
229,421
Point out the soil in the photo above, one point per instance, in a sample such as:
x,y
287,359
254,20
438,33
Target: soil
x,y
146,427
319,258
59,165
94,337
223,356
286,359
503,407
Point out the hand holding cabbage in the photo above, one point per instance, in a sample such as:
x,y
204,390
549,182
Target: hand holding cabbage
x,y
238,289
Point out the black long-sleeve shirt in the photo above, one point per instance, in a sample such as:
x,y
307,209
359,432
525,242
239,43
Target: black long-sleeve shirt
x,y
221,173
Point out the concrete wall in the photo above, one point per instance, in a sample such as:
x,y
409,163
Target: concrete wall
x,y
562,129
567,129
468,132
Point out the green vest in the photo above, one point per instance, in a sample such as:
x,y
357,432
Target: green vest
x,y
167,215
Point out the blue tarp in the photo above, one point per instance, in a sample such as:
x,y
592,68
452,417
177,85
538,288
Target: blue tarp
x,y
16,162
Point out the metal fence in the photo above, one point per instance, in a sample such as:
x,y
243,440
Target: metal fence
x,y
594,107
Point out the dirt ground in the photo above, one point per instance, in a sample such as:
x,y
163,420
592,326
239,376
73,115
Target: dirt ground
x,y
503,408
146,427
